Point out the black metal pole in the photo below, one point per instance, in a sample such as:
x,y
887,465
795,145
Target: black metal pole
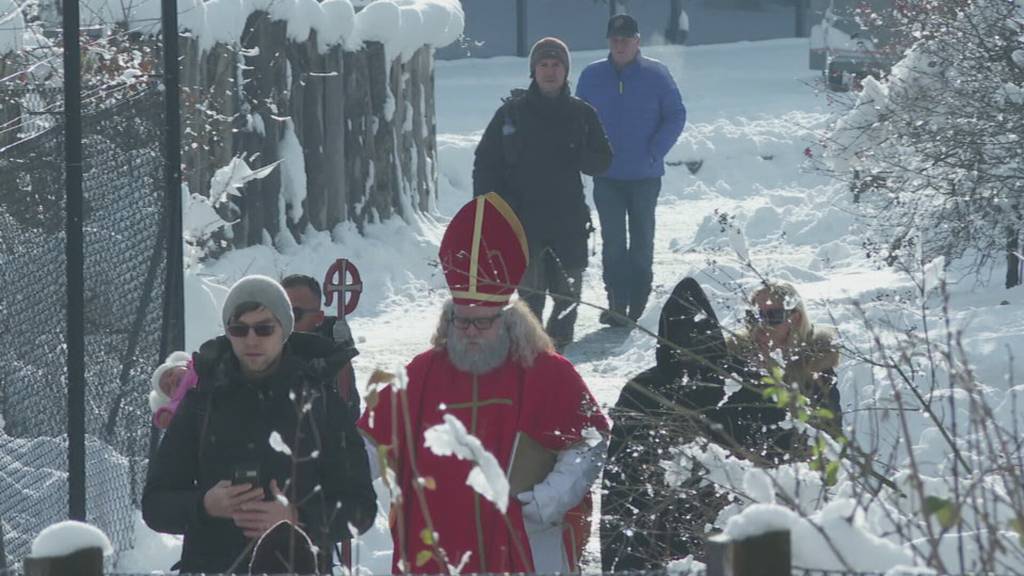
x,y
174,300
74,269
801,18
521,48
172,336
174,303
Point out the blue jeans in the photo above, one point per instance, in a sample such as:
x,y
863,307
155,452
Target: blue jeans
x,y
627,260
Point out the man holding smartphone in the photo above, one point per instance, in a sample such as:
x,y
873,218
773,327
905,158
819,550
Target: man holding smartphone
x,y
262,439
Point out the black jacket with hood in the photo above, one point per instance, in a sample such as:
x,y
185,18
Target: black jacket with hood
x,y
644,524
532,154
225,425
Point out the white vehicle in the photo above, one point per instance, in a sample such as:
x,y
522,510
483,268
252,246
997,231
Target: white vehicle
x,y
846,51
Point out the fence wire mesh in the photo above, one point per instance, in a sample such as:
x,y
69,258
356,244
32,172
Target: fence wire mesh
x,y
125,239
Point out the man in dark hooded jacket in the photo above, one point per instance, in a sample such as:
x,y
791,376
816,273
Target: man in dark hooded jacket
x,y
263,438
532,154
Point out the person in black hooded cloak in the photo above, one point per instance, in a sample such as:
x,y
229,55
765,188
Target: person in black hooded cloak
x,y
643,525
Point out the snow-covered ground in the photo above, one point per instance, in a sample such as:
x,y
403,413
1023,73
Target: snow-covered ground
x,y
754,109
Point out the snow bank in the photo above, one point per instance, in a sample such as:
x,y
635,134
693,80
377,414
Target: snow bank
x,y
152,550
69,537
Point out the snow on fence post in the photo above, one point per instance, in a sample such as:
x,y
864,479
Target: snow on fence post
x,y
85,562
68,549
766,554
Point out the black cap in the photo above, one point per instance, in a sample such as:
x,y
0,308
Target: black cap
x,y
623,25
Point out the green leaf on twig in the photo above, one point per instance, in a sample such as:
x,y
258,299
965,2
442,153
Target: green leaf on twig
x,y
1017,525
832,473
824,414
427,536
778,393
944,510
423,556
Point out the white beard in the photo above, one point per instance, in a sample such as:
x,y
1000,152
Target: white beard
x,y
481,359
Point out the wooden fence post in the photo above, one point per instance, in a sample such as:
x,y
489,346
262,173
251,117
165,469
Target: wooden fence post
x,y
766,554
1013,260
3,550
85,562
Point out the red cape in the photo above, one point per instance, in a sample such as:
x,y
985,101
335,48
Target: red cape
x,y
549,401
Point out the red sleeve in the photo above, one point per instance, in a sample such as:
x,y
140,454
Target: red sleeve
x,y
558,406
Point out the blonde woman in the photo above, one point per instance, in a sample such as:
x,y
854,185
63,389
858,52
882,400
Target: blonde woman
x,y
780,340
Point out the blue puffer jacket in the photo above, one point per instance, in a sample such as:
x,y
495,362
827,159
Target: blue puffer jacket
x,y
641,110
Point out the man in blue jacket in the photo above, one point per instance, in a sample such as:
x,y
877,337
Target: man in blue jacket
x,y
643,114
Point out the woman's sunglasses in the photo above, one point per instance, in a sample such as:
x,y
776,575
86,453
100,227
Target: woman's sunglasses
x,y
770,317
242,330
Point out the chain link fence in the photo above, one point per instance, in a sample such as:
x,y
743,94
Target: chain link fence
x,y
125,260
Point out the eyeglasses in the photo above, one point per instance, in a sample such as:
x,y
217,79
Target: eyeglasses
x,y
242,330
483,323
300,312
769,317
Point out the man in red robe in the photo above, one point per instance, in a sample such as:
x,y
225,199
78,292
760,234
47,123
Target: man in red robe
x,y
493,368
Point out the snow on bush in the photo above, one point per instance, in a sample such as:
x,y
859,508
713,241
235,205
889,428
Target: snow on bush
x,y
933,152
486,477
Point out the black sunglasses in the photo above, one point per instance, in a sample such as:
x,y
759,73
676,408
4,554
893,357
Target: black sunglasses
x,y
484,323
770,317
242,330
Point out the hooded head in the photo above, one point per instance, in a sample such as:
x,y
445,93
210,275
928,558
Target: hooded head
x,y
688,321
162,380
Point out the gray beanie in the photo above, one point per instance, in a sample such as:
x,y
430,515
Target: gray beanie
x,y
265,291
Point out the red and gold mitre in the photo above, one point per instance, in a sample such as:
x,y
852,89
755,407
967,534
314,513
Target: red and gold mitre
x,y
484,252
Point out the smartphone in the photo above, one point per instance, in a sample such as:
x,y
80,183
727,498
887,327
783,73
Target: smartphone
x,y
246,475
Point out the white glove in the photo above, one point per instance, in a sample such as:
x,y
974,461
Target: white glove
x,y
531,509
575,470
